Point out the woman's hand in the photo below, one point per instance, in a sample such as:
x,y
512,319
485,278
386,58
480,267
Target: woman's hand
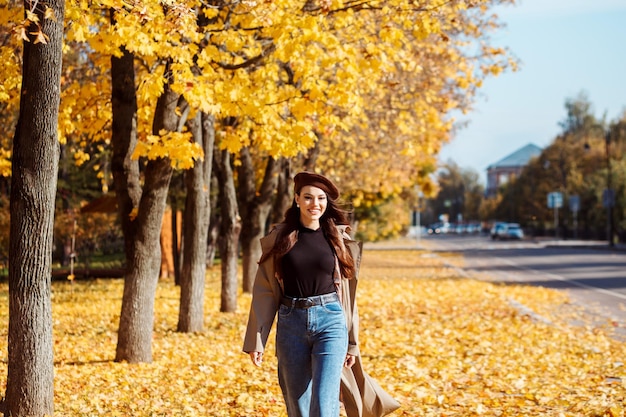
x,y
257,358
350,359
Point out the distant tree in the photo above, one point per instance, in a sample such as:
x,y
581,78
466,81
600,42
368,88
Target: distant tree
x,y
580,162
488,206
579,114
474,194
230,229
618,148
255,207
460,193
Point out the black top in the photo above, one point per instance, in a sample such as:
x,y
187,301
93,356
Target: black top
x,y
307,269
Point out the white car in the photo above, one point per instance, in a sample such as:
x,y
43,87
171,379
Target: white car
x,y
497,229
507,231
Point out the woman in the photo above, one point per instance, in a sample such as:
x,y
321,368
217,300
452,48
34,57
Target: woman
x,y
307,274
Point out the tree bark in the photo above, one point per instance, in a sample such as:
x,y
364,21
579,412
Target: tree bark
x,y
35,164
312,154
143,261
197,214
255,208
134,342
229,231
175,245
284,196
124,169
214,226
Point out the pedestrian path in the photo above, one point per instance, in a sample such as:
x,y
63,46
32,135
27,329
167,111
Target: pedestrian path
x,y
577,243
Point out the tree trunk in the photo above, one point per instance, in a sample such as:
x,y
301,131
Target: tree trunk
x,y
229,231
143,258
124,169
312,154
134,342
175,245
35,164
197,214
255,208
214,228
284,196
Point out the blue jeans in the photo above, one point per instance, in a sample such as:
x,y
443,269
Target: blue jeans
x,y
311,345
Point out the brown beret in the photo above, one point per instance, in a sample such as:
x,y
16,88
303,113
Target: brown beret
x,y
309,178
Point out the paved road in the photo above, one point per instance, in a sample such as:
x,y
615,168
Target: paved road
x,y
594,276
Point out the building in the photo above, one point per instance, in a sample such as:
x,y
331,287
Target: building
x,y
508,168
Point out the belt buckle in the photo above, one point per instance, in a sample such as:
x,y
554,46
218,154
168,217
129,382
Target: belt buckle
x,y
308,303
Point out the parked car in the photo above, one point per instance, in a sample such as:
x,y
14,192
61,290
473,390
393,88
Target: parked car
x,y
473,228
496,229
437,228
507,231
514,231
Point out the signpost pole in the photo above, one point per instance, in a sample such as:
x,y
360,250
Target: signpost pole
x,y
556,222
555,200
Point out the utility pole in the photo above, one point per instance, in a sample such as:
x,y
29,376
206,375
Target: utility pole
x,y
609,198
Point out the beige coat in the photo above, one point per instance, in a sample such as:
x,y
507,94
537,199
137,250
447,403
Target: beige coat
x,y
361,395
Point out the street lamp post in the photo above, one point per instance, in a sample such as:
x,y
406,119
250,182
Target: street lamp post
x,y
609,198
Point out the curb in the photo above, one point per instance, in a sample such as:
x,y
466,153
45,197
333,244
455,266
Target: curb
x,y
582,244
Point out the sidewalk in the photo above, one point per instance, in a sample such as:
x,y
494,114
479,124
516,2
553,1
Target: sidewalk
x,y
409,243
577,243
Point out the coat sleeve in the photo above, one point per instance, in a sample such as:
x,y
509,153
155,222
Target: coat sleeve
x,y
350,306
352,315
265,300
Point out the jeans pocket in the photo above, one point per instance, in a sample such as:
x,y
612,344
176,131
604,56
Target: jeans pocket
x,y
333,307
284,310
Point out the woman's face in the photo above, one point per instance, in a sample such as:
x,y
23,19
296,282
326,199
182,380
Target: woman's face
x,y
312,202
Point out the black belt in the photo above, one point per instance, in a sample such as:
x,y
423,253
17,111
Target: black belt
x,y
308,302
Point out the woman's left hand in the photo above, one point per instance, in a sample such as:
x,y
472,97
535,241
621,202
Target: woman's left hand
x,y
350,359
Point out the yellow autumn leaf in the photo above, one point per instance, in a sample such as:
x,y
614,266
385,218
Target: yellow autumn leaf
x,y
49,14
31,16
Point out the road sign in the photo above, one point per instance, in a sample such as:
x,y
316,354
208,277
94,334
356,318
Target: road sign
x,y
608,198
555,199
574,203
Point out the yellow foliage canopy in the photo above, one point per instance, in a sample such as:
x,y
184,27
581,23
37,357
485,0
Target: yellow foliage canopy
x,y
375,83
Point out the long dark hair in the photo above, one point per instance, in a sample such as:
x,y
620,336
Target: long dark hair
x,y
334,215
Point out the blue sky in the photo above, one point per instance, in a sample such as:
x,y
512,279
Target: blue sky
x,y
565,47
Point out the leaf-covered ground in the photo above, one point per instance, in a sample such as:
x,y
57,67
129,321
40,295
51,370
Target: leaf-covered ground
x,y
442,344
